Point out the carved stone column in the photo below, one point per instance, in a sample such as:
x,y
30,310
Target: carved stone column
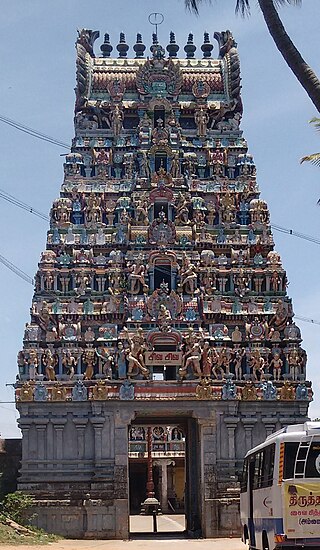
x,y
41,428
97,424
248,425
163,464
80,424
58,425
231,424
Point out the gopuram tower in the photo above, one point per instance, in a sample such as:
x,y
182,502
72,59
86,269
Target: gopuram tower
x,y
160,313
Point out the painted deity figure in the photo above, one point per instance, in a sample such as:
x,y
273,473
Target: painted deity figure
x,y
182,209
120,361
201,118
188,275
276,364
49,363
135,354
144,167
69,363
88,358
257,364
136,278
116,119
105,361
192,359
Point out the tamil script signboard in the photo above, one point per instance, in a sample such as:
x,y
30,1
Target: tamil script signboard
x,y
163,358
301,514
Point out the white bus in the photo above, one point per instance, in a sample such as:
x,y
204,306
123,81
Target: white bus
x,y
280,490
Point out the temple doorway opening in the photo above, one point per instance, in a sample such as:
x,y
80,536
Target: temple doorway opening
x,y
158,448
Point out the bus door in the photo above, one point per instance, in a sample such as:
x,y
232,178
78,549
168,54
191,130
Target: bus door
x,y
251,472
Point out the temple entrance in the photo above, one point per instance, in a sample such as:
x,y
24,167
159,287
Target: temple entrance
x,y
163,466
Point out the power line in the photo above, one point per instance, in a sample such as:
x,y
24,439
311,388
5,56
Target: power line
x,y
287,231
32,132
16,202
16,270
307,320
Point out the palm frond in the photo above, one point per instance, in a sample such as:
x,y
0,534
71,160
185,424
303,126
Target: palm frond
x,y
314,159
316,122
282,2
193,5
243,7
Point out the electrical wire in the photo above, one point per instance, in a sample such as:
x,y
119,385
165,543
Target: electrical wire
x,y
32,132
16,202
16,270
307,320
287,231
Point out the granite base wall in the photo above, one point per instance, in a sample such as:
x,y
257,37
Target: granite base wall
x,y
75,460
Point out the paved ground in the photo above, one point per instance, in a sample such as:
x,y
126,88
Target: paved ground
x,y
145,540
165,523
166,544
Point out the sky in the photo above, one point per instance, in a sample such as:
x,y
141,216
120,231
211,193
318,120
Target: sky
x,y
37,60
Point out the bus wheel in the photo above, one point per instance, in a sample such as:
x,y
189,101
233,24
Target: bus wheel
x,y
265,544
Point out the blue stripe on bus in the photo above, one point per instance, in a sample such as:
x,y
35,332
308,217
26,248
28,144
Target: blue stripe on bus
x,y
268,524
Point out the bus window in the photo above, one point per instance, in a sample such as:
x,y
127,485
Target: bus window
x,y
313,461
268,466
290,453
257,470
244,477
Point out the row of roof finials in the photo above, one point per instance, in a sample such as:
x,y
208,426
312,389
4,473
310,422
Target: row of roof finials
x,y
172,48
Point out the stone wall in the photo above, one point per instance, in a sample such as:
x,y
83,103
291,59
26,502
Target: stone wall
x,y
75,460
10,457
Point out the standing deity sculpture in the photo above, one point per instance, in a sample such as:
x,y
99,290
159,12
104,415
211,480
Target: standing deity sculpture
x,y
116,120
49,362
144,167
201,118
135,354
69,363
136,277
188,275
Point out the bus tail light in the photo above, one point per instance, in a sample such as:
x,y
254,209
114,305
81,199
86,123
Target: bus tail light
x,y
279,538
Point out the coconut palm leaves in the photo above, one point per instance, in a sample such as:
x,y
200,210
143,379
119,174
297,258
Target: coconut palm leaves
x,y
314,158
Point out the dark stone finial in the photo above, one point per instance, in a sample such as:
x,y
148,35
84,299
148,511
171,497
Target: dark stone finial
x,y
172,47
154,39
190,48
139,47
206,47
122,47
106,47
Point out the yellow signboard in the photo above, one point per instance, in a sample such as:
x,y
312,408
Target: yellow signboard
x,y
301,514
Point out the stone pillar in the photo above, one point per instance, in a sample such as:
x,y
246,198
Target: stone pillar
x,y
80,424
24,426
41,427
231,424
248,425
58,425
269,424
97,424
164,482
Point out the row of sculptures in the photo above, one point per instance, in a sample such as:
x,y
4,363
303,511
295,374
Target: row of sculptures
x,y
163,126
252,255
97,211
197,358
120,164
185,279
101,391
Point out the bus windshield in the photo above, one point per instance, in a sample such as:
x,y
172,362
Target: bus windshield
x,y
312,468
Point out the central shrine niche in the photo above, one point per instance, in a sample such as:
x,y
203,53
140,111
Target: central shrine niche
x,y
159,283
